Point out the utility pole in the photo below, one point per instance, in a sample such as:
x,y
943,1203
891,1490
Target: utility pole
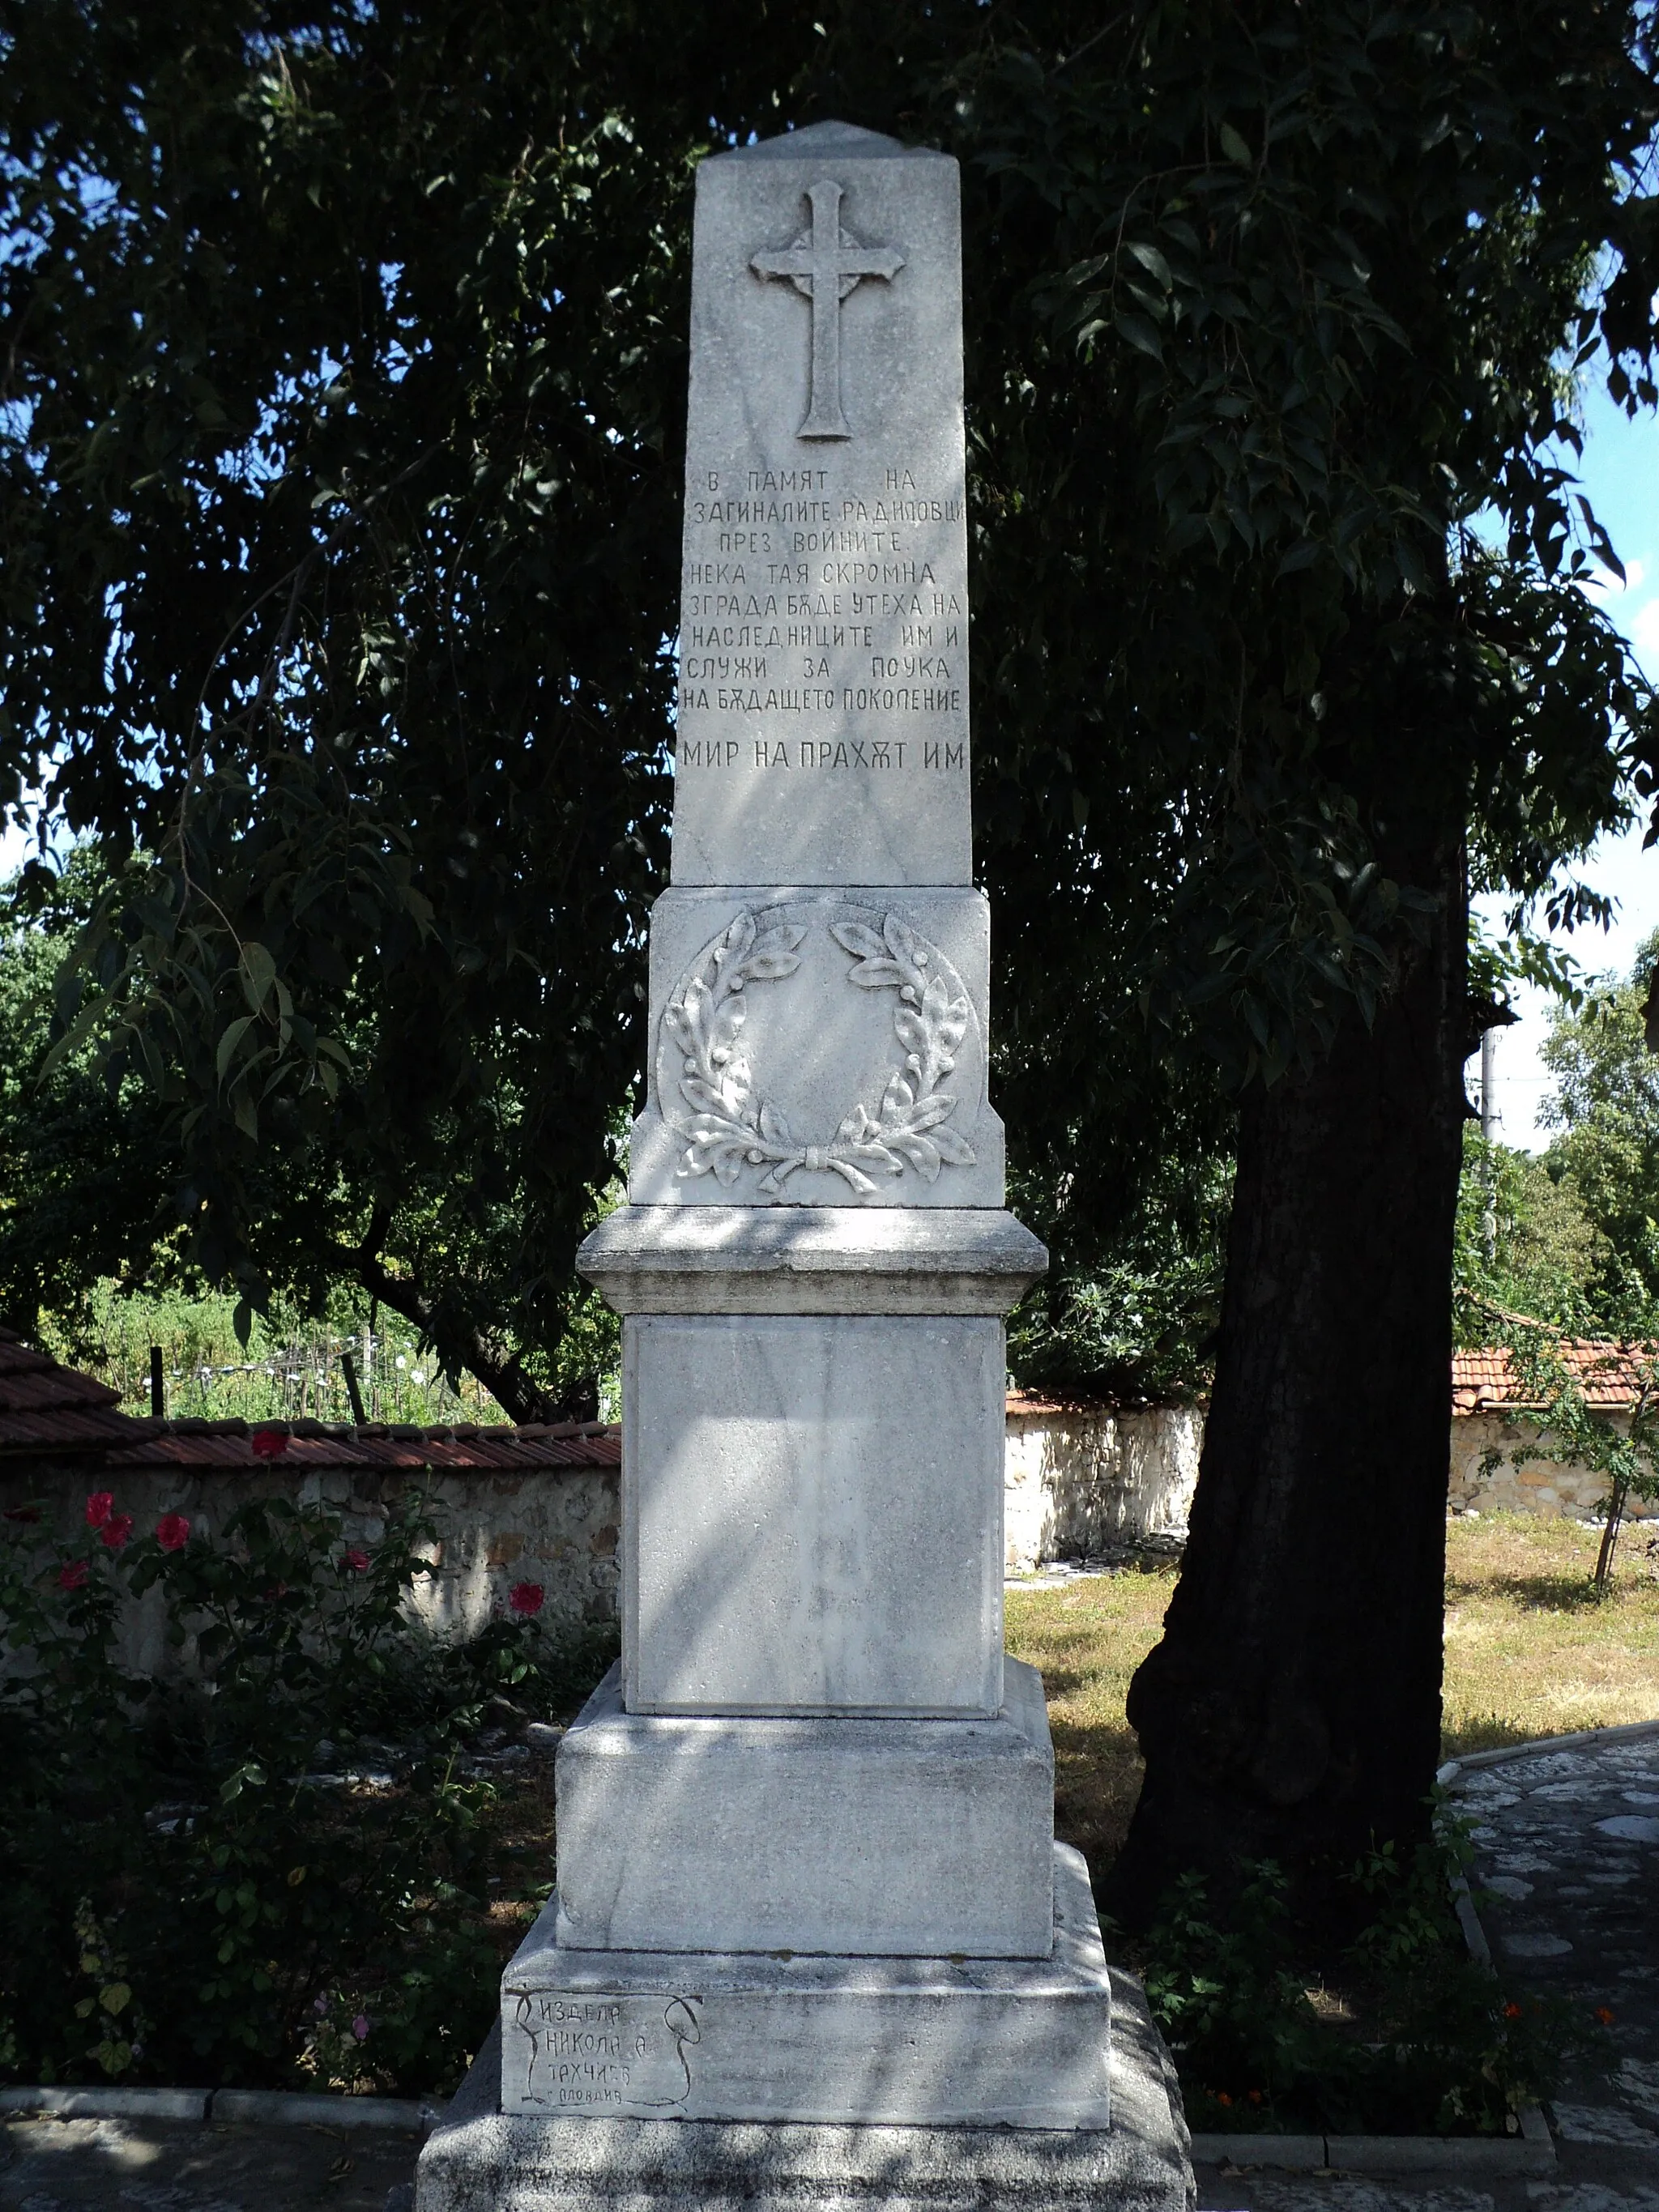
x,y
1488,1119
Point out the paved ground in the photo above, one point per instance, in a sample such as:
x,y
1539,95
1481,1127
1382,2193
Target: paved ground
x,y
1569,1853
1619,2182
131,2166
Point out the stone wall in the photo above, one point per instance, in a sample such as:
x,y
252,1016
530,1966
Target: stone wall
x,y
1079,1480
555,1525
1544,1487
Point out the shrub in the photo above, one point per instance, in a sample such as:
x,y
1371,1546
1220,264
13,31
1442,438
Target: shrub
x,y
1424,2040
272,1873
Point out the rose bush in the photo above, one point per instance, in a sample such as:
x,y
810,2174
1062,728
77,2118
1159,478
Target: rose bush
x,y
199,1881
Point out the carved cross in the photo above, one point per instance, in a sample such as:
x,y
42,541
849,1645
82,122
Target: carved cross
x,y
826,264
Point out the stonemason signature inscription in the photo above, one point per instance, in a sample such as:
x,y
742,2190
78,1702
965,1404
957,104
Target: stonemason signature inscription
x,y
601,2052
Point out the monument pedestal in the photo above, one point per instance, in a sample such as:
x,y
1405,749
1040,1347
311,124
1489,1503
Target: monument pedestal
x,y
950,2041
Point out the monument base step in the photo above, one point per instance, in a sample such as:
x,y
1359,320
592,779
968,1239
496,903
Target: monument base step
x,y
923,1838
481,2159
951,2041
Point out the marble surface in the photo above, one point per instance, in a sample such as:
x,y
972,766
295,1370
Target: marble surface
x,y
812,1514
481,2159
823,707
860,1837
822,1049
952,2042
810,1260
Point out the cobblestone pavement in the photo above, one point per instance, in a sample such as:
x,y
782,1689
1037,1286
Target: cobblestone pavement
x,y
148,2165
1568,1852
1595,2182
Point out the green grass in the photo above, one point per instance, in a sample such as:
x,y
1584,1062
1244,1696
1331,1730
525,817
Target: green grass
x,y
1529,1653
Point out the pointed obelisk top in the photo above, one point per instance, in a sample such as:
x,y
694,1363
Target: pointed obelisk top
x,y
841,142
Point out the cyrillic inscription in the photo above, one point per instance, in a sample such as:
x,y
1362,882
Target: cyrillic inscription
x,y
823,683
602,2053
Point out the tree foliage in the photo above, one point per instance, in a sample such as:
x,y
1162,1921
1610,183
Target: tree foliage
x,y
338,501
1605,1114
82,1159
1525,1245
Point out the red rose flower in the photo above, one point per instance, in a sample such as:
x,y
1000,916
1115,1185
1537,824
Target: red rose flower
x,y
173,1532
99,1506
358,1561
72,1575
269,1443
1511,2011
1605,2015
30,1513
117,1530
526,1597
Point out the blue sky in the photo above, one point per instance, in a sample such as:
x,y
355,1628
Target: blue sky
x,y
1620,476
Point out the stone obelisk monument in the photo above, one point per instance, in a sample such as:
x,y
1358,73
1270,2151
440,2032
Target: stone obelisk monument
x,y
807,1876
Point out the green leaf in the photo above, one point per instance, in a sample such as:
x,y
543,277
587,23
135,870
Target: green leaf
x,y
1139,332
1152,261
258,973
1235,147
229,1043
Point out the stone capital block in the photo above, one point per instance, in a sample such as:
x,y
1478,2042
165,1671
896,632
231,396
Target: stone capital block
x,y
857,1837
812,1514
810,1260
821,1049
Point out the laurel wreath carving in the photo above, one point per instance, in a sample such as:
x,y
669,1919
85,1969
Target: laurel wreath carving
x,y
735,1126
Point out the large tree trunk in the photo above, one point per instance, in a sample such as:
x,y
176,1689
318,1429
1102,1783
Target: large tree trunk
x,y
1292,1711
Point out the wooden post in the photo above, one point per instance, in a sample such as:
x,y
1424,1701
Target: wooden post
x,y
352,1391
158,1395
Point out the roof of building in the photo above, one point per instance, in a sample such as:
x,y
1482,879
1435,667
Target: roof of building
x,y
1049,1401
48,1411
1610,1376
383,1445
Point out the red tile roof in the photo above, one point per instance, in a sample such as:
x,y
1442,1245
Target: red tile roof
x,y
1062,1402
384,1446
46,1410
1609,1375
